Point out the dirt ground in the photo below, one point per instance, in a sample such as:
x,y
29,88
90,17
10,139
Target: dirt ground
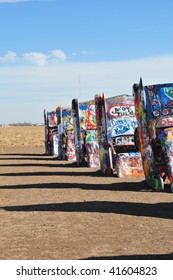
x,y
53,210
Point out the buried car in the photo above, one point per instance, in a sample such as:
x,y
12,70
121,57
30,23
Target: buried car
x,y
154,136
116,123
86,139
51,137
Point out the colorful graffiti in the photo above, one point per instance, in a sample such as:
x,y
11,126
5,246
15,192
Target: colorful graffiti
x,y
51,119
120,115
51,141
154,112
55,145
77,134
129,163
87,115
86,141
106,165
66,147
92,148
70,147
116,124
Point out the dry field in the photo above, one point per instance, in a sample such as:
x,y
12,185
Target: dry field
x,y
51,209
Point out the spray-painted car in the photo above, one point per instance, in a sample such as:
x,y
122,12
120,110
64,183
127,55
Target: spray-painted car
x,y
116,124
86,141
154,111
66,147
105,153
51,137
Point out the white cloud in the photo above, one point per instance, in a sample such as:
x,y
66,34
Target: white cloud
x,y
36,58
57,55
28,90
83,53
9,57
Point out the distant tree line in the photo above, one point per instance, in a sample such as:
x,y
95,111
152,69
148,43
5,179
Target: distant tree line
x,y
21,124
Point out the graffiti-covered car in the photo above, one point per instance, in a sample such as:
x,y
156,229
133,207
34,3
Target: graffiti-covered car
x,y
51,138
154,112
66,146
86,141
105,151
116,124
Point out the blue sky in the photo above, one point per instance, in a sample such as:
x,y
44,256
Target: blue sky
x,y
52,51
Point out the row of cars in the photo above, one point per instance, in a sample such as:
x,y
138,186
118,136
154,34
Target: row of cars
x,y
122,135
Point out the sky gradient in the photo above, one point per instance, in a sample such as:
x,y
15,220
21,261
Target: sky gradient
x,y
52,51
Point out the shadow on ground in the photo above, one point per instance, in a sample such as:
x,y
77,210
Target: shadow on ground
x,y
158,210
117,186
134,257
